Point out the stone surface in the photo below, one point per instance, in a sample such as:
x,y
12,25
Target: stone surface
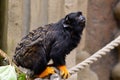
x,y
55,10
117,11
116,68
116,72
39,13
15,25
3,23
100,30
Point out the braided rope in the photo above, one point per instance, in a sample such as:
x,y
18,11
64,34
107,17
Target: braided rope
x,y
95,56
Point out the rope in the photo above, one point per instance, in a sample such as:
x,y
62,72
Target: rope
x,y
95,56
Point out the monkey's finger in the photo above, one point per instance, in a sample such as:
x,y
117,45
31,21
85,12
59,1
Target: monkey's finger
x,y
62,73
65,76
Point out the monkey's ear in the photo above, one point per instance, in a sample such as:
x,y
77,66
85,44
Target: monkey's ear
x,y
66,22
67,19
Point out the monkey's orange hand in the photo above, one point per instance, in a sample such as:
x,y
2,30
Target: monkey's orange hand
x,y
46,72
64,72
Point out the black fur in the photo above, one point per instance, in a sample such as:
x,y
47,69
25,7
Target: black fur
x,y
55,42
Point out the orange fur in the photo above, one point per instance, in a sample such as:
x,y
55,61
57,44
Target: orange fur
x,y
64,72
46,72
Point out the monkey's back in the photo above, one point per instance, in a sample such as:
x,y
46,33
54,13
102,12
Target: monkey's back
x,y
25,53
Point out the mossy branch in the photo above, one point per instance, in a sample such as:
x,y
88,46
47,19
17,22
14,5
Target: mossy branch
x,y
4,55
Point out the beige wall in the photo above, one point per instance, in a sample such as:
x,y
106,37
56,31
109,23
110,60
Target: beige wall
x,y
15,24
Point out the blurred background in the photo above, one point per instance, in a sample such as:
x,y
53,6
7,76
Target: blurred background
x,y
18,17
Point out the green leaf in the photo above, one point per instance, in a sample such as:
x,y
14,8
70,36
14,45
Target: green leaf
x,y
8,73
22,76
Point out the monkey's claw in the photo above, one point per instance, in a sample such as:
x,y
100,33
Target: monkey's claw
x,y
64,72
46,72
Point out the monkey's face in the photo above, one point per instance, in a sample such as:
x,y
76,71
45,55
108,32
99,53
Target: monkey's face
x,y
74,20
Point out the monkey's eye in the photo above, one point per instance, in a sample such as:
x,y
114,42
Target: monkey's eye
x,y
68,22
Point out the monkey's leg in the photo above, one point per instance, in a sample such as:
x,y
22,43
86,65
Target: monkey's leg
x,y
64,72
41,68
